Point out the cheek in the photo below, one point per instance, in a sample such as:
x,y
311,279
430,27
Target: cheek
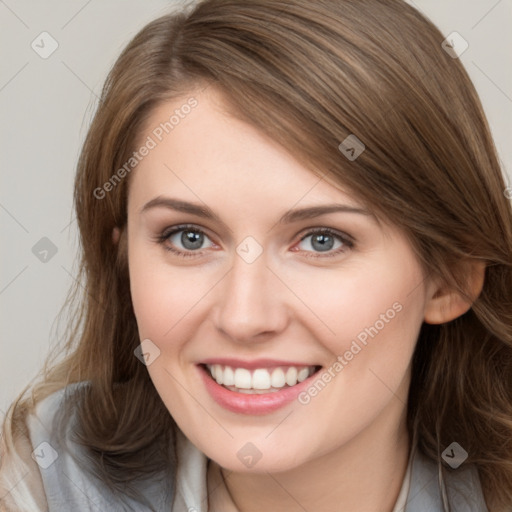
x,y
161,295
375,317
362,302
370,320
165,304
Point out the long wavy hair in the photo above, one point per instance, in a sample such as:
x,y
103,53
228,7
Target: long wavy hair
x,y
308,74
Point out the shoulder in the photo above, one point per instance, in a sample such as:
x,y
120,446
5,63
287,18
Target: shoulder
x,y
66,467
62,464
25,455
430,487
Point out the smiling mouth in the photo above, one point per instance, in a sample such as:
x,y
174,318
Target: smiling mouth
x,y
259,380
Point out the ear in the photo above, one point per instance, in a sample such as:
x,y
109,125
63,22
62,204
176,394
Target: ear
x,y
116,233
446,304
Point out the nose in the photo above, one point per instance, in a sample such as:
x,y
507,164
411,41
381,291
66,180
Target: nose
x,y
250,304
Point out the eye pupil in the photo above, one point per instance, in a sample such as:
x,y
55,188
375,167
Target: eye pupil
x,y
191,240
325,241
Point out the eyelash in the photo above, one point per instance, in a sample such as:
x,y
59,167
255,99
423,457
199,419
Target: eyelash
x,y
348,241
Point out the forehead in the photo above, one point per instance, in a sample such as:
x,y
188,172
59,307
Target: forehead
x,y
199,150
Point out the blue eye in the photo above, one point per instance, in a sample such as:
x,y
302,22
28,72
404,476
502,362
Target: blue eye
x,y
188,241
324,240
190,238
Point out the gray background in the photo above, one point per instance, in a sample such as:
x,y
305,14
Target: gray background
x,y
47,105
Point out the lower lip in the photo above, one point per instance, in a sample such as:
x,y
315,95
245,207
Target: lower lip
x,y
257,404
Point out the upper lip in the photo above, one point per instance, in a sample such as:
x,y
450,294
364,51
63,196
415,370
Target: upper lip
x,y
254,364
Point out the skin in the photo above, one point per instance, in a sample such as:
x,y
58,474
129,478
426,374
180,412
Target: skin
x,y
348,448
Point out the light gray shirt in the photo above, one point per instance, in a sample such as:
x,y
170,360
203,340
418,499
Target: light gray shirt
x,y
67,486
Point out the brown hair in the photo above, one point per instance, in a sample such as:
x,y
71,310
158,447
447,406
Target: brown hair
x,y
308,74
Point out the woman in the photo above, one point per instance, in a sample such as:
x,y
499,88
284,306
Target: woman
x,y
297,253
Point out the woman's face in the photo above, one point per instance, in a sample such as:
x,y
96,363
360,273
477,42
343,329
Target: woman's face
x,y
264,289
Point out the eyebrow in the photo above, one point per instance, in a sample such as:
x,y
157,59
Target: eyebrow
x,y
289,217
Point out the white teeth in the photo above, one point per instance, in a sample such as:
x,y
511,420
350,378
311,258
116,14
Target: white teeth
x,y
278,380
260,379
291,376
229,376
242,380
218,373
303,374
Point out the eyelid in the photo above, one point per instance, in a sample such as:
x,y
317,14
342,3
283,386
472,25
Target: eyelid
x,y
347,240
167,232
172,230
348,243
324,229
